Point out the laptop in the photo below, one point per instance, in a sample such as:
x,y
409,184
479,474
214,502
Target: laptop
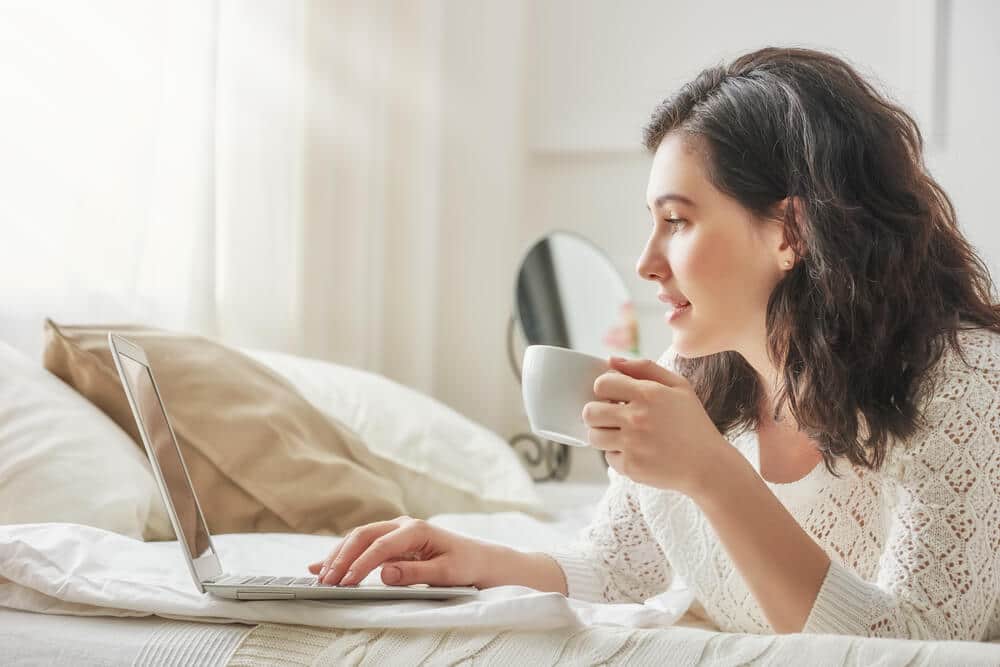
x,y
189,524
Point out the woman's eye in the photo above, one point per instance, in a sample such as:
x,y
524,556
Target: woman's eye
x,y
675,222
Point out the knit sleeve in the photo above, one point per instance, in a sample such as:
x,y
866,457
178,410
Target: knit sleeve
x,y
615,559
939,573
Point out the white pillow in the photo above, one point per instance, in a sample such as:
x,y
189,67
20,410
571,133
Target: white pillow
x,y
62,459
453,463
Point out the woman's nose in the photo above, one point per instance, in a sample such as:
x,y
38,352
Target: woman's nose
x,y
652,264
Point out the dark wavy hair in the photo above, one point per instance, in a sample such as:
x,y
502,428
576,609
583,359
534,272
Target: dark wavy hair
x,y
883,275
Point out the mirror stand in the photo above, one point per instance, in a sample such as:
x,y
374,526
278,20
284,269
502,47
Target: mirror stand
x,y
547,460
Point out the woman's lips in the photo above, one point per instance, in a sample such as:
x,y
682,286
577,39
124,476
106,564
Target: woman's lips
x,y
673,300
678,305
677,311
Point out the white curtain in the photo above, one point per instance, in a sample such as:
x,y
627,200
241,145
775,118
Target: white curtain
x,y
221,167
106,165
333,178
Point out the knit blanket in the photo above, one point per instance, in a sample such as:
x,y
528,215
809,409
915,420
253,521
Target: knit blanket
x,y
689,642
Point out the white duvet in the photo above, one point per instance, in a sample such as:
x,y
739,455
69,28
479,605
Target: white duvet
x,y
63,568
77,570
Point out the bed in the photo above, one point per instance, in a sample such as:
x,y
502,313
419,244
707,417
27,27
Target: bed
x,y
55,607
48,638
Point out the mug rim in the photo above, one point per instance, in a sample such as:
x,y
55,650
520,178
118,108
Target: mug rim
x,y
567,349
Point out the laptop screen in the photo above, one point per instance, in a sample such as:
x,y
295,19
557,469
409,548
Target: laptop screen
x,y
160,440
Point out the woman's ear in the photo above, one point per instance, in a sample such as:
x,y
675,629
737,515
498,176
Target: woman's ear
x,y
791,213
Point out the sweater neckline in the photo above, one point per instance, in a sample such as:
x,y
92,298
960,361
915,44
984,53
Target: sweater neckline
x,y
802,490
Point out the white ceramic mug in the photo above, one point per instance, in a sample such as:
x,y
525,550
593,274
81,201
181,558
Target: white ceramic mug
x,y
556,383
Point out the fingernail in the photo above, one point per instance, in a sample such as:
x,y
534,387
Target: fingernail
x,y
322,571
347,578
391,574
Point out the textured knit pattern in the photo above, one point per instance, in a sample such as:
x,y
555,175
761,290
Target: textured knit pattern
x,y
678,646
913,548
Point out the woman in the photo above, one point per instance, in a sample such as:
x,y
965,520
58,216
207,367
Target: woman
x,y
818,449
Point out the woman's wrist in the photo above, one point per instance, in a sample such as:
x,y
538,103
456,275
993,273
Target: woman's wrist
x,y
711,481
496,565
503,566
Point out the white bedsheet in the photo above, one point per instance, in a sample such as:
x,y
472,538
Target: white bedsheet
x,y
74,569
571,504
144,578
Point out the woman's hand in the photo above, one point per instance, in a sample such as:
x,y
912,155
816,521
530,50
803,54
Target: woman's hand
x,y
655,430
411,552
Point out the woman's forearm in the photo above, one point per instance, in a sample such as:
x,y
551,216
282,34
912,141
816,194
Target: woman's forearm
x,y
505,567
782,565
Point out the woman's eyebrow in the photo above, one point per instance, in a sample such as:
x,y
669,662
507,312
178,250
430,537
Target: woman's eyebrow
x,y
662,199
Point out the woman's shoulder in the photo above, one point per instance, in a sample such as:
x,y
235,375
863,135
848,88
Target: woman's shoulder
x,y
966,372
980,348
958,402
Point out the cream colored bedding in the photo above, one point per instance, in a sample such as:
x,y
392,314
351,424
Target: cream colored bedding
x,y
680,645
689,642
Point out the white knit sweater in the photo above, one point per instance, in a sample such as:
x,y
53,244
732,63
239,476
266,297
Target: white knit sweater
x,y
913,548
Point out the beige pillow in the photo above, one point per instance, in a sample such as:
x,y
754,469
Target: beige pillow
x,y
261,457
443,461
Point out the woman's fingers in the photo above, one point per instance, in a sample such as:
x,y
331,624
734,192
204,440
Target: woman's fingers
x,y
318,565
336,564
321,568
385,548
404,573
605,438
601,414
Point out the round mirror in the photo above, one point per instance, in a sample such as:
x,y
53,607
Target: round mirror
x,y
569,294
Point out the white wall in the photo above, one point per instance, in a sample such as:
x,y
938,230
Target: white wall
x,y
964,159
481,199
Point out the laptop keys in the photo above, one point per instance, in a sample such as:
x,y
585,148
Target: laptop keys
x,y
230,580
279,581
240,580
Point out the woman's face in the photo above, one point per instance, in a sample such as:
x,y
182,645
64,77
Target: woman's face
x,y
705,249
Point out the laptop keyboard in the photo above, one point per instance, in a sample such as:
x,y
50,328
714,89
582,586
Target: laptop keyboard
x,y
240,580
